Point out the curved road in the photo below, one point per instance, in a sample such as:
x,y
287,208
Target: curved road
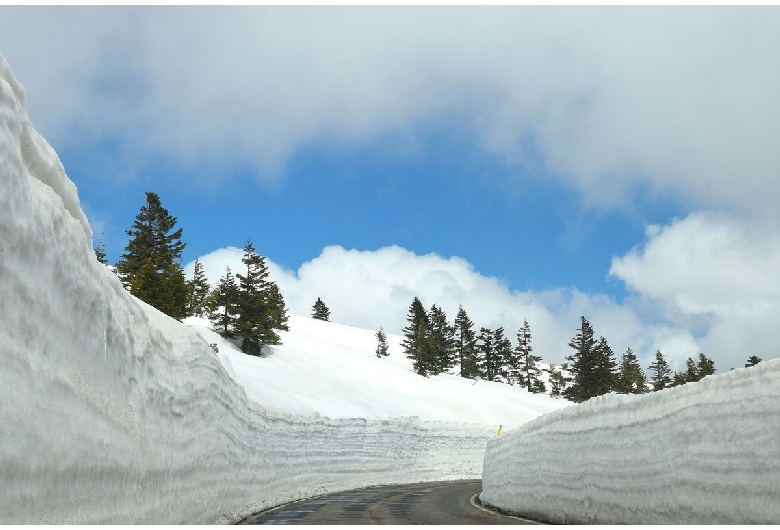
x,y
427,503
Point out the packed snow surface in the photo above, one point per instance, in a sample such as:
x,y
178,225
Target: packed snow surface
x,y
114,413
701,453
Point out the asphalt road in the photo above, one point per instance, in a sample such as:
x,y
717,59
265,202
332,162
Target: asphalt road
x,y
427,503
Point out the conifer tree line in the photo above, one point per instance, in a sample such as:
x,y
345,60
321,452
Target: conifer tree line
x,y
435,346
594,371
245,306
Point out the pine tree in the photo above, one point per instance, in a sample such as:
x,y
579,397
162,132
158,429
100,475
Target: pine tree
x,y
222,304
381,347
557,381
630,377
441,340
278,319
488,363
604,368
320,311
416,339
525,370
100,250
660,371
752,361
504,354
261,309
705,366
155,247
465,345
583,366
199,289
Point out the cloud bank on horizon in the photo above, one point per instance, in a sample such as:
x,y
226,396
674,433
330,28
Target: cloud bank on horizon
x,y
611,104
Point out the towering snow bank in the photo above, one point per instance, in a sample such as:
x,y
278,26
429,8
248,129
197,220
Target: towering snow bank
x,y
111,412
702,453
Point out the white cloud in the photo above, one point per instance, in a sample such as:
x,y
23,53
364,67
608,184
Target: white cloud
x,y
715,273
608,99
369,289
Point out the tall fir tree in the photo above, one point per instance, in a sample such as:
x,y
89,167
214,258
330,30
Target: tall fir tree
x,y
630,377
488,361
416,339
466,345
441,341
584,364
660,372
261,309
151,266
504,353
199,290
320,311
381,344
604,368
526,370
222,304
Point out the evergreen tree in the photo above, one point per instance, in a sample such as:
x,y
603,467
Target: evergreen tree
x,y
630,377
557,381
504,354
222,304
381,347
466,345
488,361
278,319
261,309
660,372
100,250
199,290
320,311
705,366
416,344
155,247
604,368
752,361
441,340
525,371
584,364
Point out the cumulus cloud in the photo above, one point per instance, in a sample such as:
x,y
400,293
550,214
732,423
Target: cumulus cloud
x,y
609,100
369,289
712,273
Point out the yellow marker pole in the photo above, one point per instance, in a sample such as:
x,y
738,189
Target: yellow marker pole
x,y
499,430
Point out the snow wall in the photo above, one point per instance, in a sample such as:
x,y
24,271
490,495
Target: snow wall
x,y
113,413
702,453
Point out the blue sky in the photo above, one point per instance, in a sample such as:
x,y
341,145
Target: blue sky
x,y
525,162
446,200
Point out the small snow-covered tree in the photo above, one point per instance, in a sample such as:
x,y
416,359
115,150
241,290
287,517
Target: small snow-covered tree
x,y
320,311
381,347
752,361
100,250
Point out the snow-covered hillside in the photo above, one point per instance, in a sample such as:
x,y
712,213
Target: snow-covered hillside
x,y
701,453
331,369
114,413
